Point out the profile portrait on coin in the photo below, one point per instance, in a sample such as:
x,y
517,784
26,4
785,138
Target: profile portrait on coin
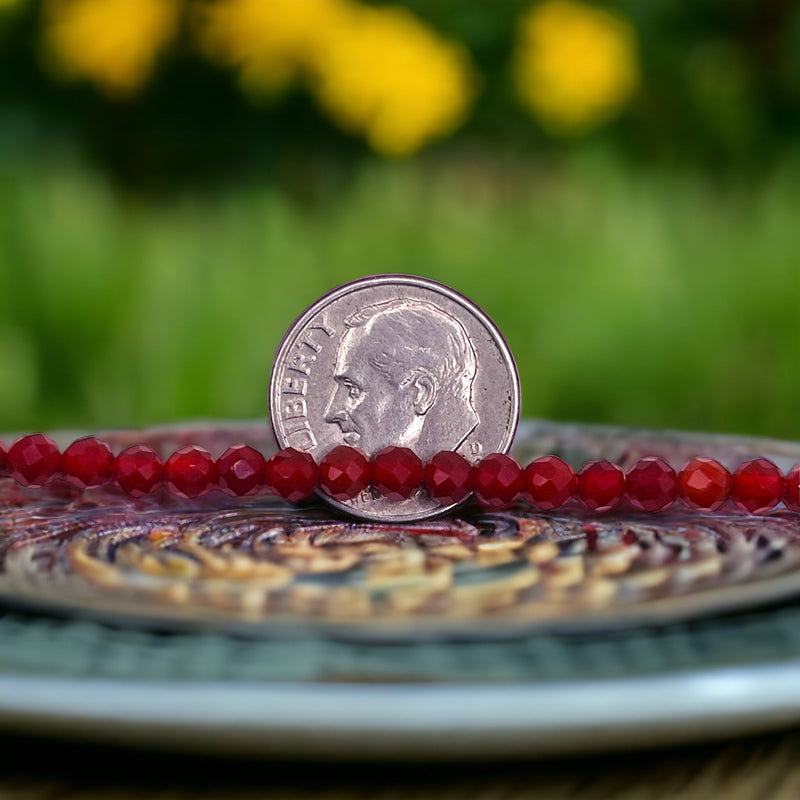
x,y
404,375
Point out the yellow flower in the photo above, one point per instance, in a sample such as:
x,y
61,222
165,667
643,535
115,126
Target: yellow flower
x,y
389,77
378,72
575,66
113,43
270,41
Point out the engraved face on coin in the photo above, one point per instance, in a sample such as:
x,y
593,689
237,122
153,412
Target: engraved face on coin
x,y
394,360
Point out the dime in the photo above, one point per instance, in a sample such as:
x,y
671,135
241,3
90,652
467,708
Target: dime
x,y
394,360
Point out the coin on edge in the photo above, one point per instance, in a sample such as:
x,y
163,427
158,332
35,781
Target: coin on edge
x,y
394,360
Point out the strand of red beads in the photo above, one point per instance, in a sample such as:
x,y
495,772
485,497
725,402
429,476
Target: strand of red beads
x,y
651,484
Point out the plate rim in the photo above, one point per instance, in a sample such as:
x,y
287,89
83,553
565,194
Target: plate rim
x,y
408,720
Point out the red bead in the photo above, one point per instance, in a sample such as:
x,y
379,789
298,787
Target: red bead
x,y
549,482
651,484
241,470
758,485
292,474
397,472
601,485
34,460
191,471
792,494
138,470
448,477
344,472
3,459
497,480
704,484
88,462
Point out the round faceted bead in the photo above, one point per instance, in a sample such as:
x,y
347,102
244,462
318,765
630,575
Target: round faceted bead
x,y
704,484
758,485
190,471
651,484
549,482
397,472
241,470
497,480
138,470
792,494
3,459
88,462
344,472
601,485
34,460
448,477
292,474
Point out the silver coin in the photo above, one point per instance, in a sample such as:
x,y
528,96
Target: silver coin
x,y
394,360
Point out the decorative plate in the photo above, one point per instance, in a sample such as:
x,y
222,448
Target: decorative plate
x,y
192,614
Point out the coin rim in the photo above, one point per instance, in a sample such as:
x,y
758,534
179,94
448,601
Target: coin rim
x,y
418,282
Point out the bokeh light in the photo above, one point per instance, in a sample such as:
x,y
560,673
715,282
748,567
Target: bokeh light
x,y
575,65
113,43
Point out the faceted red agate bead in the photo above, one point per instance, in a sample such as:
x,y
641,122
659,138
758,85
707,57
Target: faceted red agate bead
x,y
792,494
448,477
549,482
88,462
138,470
704,484
497,480
344,472
240,470
758,485
791,497
397,472
601,485
191,471
292,474
34,460
651,484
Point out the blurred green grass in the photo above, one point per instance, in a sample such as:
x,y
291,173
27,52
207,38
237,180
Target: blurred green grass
x,y
630,296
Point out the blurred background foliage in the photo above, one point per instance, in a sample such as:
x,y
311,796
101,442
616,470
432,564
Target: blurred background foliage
x,y
617,184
